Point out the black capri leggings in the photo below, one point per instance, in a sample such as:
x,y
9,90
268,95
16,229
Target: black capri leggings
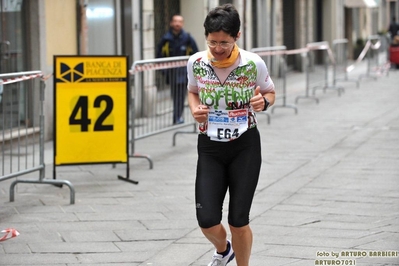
x,y
233,165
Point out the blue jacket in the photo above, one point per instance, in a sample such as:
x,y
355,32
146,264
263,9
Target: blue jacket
x,y
177,45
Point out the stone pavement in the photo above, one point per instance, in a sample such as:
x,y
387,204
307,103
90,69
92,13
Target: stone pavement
x,y
328,194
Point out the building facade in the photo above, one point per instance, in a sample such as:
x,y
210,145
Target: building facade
x,y
33,31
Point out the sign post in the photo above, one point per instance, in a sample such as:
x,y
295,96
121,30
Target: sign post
x,y
91,99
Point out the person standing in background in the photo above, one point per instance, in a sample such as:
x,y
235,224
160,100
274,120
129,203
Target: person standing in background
x,y
227,85
177,42
393,28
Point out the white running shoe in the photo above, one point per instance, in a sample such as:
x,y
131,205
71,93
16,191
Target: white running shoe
x,y
219,260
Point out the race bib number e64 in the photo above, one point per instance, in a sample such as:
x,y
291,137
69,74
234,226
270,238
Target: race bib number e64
x,y
226,125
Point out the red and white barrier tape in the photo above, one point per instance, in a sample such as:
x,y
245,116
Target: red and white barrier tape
x,y
20,78
368,45
331,55
376,46
183,63
157,66
269,53
299,51
9,233
282,52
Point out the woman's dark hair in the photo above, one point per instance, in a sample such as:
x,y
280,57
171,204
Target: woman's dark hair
x,y
223,18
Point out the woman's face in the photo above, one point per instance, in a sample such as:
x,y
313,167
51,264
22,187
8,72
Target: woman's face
x,y
223,44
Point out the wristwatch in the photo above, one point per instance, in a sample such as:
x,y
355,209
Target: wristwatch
x,y
267,103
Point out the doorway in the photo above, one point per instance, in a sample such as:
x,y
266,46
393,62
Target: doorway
x,y
12,60
12,36
289,30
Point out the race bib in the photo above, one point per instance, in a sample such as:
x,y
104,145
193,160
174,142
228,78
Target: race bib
x,y
226,125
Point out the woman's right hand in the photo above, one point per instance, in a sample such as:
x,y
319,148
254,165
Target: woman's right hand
x,y
200,113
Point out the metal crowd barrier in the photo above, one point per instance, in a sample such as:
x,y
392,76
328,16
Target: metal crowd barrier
x,y
340,68
22,129
319,59
275,59
154,87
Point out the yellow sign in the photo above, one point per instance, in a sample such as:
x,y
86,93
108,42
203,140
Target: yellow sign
x,y
91,109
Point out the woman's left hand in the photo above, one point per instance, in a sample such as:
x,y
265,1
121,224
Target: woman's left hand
x,y
257,101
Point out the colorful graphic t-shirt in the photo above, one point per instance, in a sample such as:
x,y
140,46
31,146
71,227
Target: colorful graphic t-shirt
x,y
230,112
